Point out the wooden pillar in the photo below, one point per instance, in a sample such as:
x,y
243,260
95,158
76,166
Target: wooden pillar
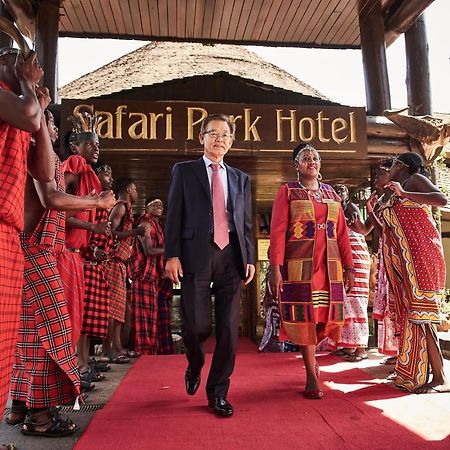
x,y
5,40
418,69
373,49
47,27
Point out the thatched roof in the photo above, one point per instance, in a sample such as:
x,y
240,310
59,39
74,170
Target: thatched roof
x,y
159,62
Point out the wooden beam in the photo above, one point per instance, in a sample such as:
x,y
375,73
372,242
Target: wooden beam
x,y
418,69
47,43
400,19
378,97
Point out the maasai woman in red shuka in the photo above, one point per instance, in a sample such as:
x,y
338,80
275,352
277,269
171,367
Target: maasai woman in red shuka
x,y
415,268
310,260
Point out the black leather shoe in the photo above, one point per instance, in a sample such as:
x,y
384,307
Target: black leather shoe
x,y
221,406
192,382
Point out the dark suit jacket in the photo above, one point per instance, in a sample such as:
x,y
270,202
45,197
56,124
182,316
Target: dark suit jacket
x,y
189,220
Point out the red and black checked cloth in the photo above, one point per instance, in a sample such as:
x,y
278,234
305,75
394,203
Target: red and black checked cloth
x,y
122,248
14,146
45,371
70,267
144,316
96,301
50,232
96,295
76,164
116,273
11,282
147,267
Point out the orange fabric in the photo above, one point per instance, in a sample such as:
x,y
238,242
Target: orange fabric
x,y
76,164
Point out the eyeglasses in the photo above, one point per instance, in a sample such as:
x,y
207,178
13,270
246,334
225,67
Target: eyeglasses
x,y
216,135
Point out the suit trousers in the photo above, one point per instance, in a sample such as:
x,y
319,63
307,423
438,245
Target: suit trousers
x,y
222,279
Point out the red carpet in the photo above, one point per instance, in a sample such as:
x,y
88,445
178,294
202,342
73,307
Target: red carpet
x,y
150,409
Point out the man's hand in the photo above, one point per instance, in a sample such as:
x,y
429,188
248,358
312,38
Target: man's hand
x,y
43,96
28,70
140,231
174,271
249,273
275,284
99,254
106,200
102,228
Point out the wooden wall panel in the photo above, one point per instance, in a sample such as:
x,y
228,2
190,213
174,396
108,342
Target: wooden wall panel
x,y
118,18
283,22
144,14
107,12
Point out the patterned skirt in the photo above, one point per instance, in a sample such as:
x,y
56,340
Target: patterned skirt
x,y
45,370
355,331
96,301
116,275
11,282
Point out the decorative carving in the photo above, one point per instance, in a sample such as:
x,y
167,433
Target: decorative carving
x,y
429,134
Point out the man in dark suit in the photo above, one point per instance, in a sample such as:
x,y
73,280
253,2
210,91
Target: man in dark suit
x,y
209,244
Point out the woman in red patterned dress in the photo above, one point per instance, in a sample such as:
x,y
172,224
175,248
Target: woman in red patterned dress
x,y
310,261
415,268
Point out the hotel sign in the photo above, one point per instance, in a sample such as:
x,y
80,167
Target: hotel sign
x,y
173,126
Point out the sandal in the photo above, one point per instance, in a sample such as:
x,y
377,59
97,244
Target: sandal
x,y
20,409
132,354
86,386
57,426
91,375
99,366
313,395
120,359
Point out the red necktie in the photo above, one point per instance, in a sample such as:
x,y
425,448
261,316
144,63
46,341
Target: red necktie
x,y
219,212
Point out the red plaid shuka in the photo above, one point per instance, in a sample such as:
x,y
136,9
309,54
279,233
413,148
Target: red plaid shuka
x,y
76,164
50,232
11,282
116,270
14,145
45,370
151,327
122,248
70,264
96,295
71,269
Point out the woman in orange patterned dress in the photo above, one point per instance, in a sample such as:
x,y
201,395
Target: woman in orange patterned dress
x,y
310,261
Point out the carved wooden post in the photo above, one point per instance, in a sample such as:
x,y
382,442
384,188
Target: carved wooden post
x,y
418,69
47,43
373,48
5,40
